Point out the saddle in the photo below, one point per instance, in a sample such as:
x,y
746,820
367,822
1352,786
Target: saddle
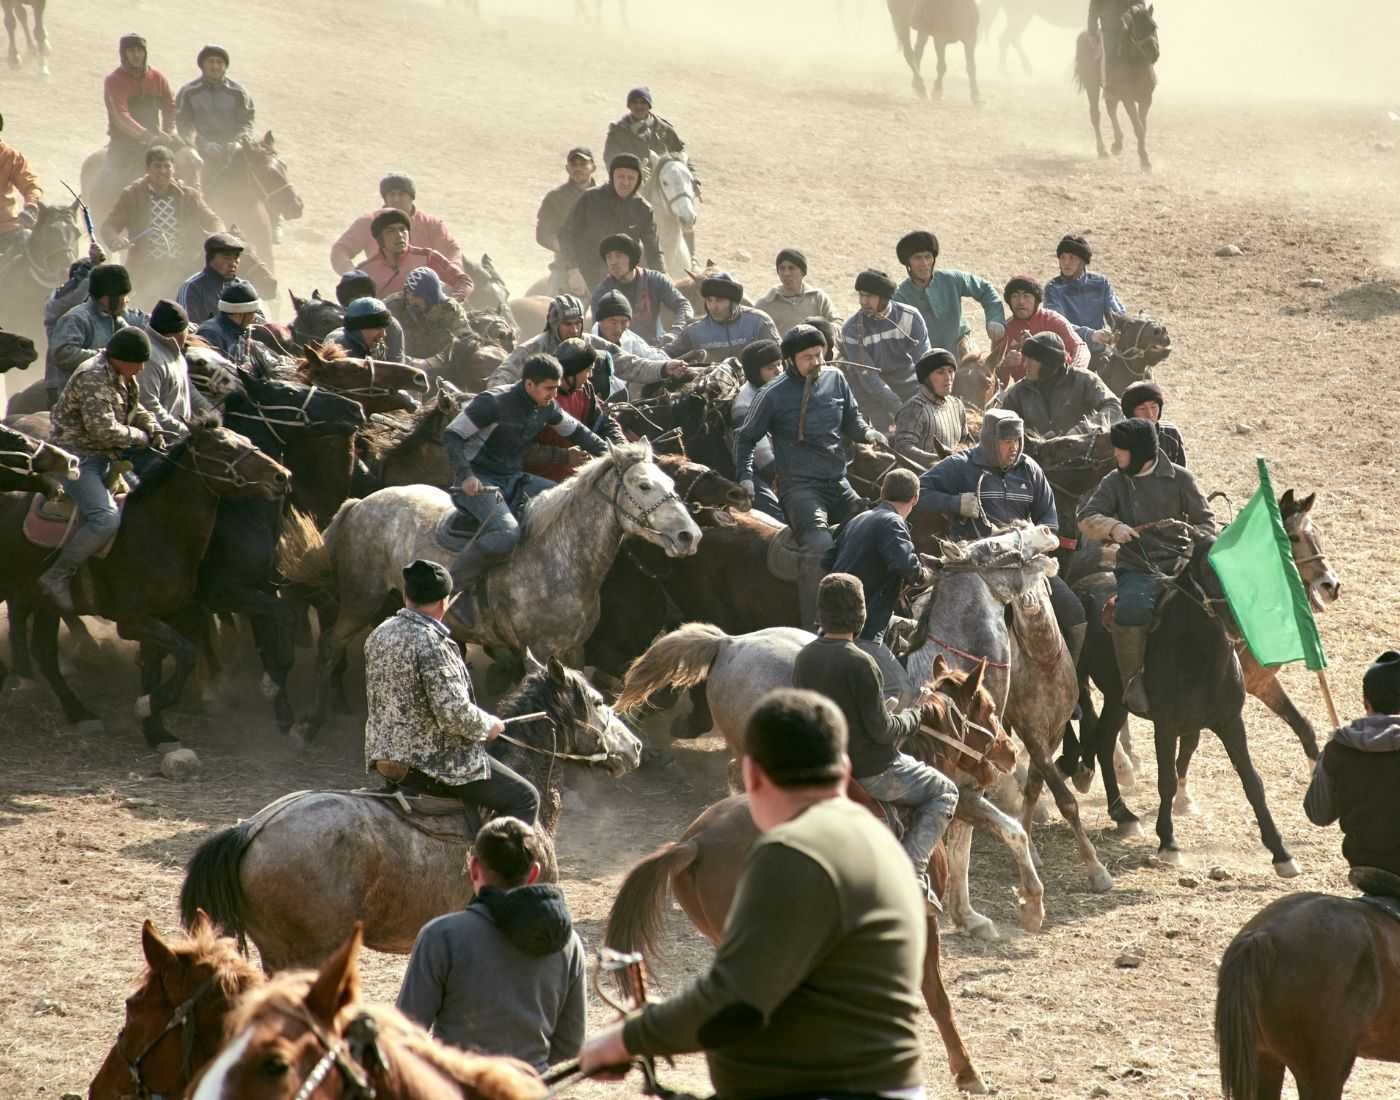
x,y
49,523
439,818
1379,888
455,530
783,555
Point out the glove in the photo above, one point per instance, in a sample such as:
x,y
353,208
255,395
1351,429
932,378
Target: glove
x,y
995,330
968,507
877,439
748,487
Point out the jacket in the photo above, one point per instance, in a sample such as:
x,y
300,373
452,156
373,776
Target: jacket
x,y
199,295
721,339
138,104
422,713
491,435
504,976
652,135
891,344
217,113
940,304
80,334
1354,782
927,423
17,181
131,217
1085,302
425,231
99,412
1042,320
554,211
630,367
549,457
1169,439
788,311
388,275
164,386
649,293
809,419
738,413
1075,401
1163,491
355,347
599,212
427,332
230,341
1020,492
851,679
876,548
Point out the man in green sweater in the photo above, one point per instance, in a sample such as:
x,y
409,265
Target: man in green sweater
x,y
816,987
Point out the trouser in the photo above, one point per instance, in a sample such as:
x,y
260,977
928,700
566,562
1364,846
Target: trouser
x,y
809,507
1137,597
879,608
933,796
495,509
503,791
1068,608
97,511
765,500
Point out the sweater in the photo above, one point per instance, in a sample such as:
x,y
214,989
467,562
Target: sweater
x,y
1042,320
787,311
851,679
649,293
1355,782
940,304
1085,302
425,231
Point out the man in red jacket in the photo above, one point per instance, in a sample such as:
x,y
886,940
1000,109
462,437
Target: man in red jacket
x,y
391,229
553,456
17,180
398,192
1029,317
140,113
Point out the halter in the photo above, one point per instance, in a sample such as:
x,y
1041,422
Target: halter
x,y
302,417
372,390
286,184
183,1018
642,517
670,200
874,482
29,457
230,476
958,740
336,1057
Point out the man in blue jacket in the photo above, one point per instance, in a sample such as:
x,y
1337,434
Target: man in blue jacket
x,y
1085,297
728,326
648,292
885,338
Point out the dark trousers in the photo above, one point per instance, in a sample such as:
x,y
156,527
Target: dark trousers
x,y
504,792
1069,611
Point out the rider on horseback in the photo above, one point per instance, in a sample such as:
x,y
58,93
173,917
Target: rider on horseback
x,y
164,384
792,301
1029,317
396,257
1356,778
886,338
487,444
1084,297
398,192
728,326
612,207
938,295
641,131
213,111
553,456
431,318
554,211
1054,399
761,362
85,329
100,418
1146,401
647,291
199,294
612,320
140,112
227,331
362,336
1145,489
16,178
933,423
354,285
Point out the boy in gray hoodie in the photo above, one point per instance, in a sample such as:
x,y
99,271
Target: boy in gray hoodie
x,y
1357,782
505,975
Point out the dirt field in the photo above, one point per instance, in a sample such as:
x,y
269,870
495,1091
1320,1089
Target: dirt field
x,y
821,146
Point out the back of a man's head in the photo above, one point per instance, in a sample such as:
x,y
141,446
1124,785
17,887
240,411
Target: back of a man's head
x,y
798,739
900,487
507,848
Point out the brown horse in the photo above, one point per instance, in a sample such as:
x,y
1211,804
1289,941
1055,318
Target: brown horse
x,y
1310,984
945,21
288,1035
33,465
1129,79
1136,346
37,41
175,1021
702,869
378,385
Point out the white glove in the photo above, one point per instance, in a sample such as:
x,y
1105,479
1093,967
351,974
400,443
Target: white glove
x,y
968,506
747,486
995,330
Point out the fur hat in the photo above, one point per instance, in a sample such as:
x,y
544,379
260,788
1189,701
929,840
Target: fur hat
x,y
624,160
621,242
106,280
722,285
426,582
612,304
875,282
1139,439
390,215
1380,686
211,51
1027,284
1076,245
130,345
800,338
397,181
1047,349
354,284
168,318
792,256
759,354
574,355
1138,392
365,313
238,296
921,240
797,737
932,360
840,604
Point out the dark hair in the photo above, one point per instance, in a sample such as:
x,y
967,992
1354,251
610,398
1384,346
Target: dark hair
x,y
1380,687
826,328
541,367
158,152
900,487
797,737
841,604
507,848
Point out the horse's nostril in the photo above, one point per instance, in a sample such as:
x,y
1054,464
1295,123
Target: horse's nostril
x,y
684,538
280,479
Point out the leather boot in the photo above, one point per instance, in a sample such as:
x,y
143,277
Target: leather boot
x,y
56,582
1130,647
810,572
466,570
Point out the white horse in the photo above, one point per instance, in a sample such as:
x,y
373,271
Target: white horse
x,y
670,188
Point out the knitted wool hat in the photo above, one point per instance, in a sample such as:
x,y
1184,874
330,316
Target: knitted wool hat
x,y
423,282
1381,684
168,318
612,304
792,256
129,345
354,284
935,359
239,297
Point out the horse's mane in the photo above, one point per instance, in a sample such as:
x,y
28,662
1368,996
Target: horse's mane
x,y
158,474
546,508
387,435
233,973
492,1077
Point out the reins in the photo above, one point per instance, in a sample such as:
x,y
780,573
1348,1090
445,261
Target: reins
x,y
303,418
183,1018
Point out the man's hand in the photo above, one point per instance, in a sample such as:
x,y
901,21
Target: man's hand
x,y
120,243
676,369
605,1051
577,457
141,438
29,216
1012,358
95,253
968,506
877,439
748,487
471,486
467,285
995,330
1104,336
1122,533
495,730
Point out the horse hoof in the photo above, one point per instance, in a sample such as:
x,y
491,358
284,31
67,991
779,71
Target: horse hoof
x,y
1129,830
298,736
1032,915
89,727
1170,856
268,686
1100,881
1287,868
1117,150
1103,153
982,928
969,1082
143,706
1183,803
1083,779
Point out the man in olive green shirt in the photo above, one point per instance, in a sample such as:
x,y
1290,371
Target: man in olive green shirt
x,y
816,987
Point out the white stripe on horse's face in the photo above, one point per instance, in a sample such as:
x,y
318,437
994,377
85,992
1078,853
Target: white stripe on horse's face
x,y
211,1085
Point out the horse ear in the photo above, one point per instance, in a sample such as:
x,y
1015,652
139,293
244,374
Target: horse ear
x,y
1305,505
267,141
338,983
202,925
157,951
315,295
532,663
1286,504
297,303
940,667
974,682
557,672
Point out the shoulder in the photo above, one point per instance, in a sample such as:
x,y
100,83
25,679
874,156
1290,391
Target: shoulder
x,y
190,86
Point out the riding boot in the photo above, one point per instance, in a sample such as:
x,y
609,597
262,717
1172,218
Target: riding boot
x,y
56,582
466,570
1130,647
810,572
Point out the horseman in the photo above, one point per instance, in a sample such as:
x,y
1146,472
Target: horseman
x,y
164,384
554,212
486,444
199,294
1084,297
397,192
792,301
431,318
641,132
886,338
227,331
1145,489
728,326
553,456
424,730
396,257
1145,400
613,207
612,320
213,112
1107,17
1054,399
994,485
647,291
1029,316
355,284
363,334
140,113
161,221
761,362
100,418
816,985
938,295
933,423
84,330
809,411
1356,778
19,196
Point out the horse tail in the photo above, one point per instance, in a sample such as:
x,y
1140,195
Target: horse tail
x,y
213,883
304,554
1244,969
1087,63
680,660
636,917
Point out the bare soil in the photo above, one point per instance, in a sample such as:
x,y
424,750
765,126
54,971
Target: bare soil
x,y
822,146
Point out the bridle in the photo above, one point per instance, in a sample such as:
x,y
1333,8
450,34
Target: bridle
x,y
336,1056
374,389
64,249
671,200
253,174
300,417
642,516
958,739
873,483
29,458
183,1018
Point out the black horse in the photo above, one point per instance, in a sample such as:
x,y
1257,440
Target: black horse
x,y
29,272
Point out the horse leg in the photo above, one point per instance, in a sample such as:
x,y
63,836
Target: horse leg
x,y
1139,121
1264,685
330,658
1183,803
1112,105
46,651
970,54
1165,743
162,638
272,635
915,59
941,48
41,37
965,1076
1129,827
981,814
1092,91
957,900
15,59
1099,878
1232,735
21,616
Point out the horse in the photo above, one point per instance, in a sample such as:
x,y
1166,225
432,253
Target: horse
x,y
14,13
1308,985
1019,13
251,190
702,869
287,1036
314,318
915,21
297,875
1130,79
150,572
1136,346
30,465
543,598
29,272
377,384
16,353
670,188
174,1022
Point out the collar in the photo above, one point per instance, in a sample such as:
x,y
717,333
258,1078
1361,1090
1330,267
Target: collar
x,y
930,398
419,617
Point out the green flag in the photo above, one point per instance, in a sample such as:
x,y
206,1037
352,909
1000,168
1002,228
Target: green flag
x,y
1254,562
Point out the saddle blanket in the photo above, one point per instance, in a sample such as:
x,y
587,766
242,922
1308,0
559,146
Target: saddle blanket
x,y
454,531
48,523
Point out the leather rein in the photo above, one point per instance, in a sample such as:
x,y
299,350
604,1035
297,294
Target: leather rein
x,y
183,1018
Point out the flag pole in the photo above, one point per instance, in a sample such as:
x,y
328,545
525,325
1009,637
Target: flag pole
x,y
1327,697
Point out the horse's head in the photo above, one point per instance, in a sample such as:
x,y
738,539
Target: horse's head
x,y
976,381
284,408
174,1021
1011,563
315,318
54,242
647,504
24,456
582,719
701,487
673,183
228,464
499,293
16,351
377,384
493,327
1140,341
269,176
963,709
213,375
448,400
1324,587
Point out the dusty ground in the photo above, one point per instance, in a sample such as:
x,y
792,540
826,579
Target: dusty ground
x,y
824,148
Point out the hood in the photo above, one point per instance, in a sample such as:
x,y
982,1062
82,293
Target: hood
x,y
534,918
1374,733
992,421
